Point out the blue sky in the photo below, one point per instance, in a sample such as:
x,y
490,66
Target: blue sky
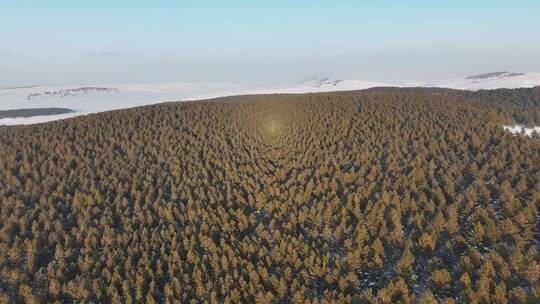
x,y
145,41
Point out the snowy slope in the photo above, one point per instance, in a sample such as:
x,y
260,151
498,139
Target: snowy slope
x,y
110,97
495,80
105,97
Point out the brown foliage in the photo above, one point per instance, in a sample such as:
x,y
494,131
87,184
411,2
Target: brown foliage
x,y
385,195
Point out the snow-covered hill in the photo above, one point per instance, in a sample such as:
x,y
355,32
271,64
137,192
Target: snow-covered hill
x,y
91,99
487,81
99,98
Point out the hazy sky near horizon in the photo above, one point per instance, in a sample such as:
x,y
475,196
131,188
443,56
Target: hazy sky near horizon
x,y
63,42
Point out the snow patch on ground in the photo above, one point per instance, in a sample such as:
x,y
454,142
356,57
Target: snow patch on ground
x,y
521,129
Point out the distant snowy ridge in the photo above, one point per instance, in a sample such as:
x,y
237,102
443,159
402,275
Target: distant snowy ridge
x,y
320,82
71,92
488,81
495,75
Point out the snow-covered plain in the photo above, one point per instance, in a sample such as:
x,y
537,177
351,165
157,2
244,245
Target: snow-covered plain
x,y
105,97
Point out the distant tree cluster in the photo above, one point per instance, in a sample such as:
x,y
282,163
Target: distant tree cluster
x,y
377,196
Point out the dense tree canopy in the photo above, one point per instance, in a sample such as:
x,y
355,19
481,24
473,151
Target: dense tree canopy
x,y
377,196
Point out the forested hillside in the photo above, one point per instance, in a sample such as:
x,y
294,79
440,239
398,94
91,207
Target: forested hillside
x,y
377,196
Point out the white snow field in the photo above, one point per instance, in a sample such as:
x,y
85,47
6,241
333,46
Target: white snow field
x,y
98,98
105,97
520,129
